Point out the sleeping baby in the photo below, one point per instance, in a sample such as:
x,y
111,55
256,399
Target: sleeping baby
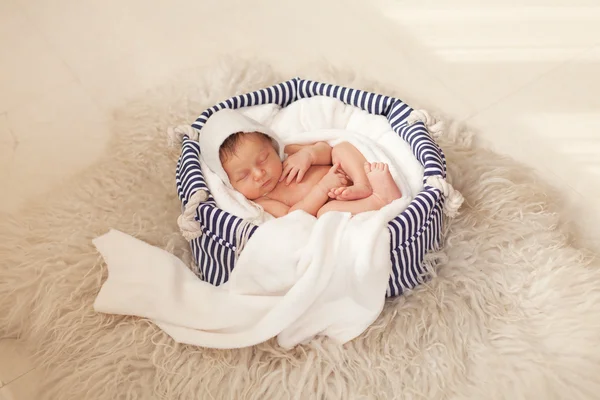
x,y
315,178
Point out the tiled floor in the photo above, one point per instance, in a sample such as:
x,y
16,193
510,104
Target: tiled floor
x,y
524,73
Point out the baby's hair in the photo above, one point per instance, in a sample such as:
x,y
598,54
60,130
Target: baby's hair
x,y
229,146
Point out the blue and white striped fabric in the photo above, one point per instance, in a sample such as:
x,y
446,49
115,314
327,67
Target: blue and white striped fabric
x,y
416,231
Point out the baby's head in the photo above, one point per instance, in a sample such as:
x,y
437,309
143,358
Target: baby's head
x,y
251,162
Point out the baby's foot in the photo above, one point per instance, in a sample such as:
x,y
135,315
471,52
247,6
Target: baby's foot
x,y
384,187
355,192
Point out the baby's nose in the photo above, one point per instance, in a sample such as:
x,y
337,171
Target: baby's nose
x,y
259,173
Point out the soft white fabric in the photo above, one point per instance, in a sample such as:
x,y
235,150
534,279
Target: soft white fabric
x,y
318,118
328,278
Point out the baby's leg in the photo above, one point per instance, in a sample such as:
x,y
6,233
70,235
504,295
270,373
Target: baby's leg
x,y
352,163
385,191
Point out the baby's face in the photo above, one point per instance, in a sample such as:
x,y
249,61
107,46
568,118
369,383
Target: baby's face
x,y
255,168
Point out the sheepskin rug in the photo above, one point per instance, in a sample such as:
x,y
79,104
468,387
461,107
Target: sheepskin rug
x,y
512,313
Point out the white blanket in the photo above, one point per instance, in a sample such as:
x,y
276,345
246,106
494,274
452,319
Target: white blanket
x,y
297,277
328,278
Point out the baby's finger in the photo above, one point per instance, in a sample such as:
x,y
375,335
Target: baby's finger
x,y
291,176
282,177
286,171
301,173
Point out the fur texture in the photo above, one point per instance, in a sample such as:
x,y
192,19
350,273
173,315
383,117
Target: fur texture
x,y
513,313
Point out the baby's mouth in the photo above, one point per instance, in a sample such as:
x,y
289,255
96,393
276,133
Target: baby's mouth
x,y
266,183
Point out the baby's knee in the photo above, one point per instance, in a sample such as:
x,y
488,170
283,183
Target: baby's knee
x,y
341,147
339,151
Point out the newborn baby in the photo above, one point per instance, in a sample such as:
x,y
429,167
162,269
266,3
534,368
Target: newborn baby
x,y
306,180
315,178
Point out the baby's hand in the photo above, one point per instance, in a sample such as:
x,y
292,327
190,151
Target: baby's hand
x,y
295,166
335,178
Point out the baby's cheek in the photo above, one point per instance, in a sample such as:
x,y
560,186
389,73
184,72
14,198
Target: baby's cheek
x,y
277,170
239,187
250,192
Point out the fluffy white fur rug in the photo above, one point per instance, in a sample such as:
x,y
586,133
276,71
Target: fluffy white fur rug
x,y
513,313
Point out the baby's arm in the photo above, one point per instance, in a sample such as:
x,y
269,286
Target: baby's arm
x,y
300,159
320,152
319,194
312,203
316,198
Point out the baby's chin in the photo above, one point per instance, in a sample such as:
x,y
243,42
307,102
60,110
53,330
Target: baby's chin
x,y
270,187
263,191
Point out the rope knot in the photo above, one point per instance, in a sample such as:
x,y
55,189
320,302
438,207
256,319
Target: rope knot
x,y
189,227
175,134
453,198
433,126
